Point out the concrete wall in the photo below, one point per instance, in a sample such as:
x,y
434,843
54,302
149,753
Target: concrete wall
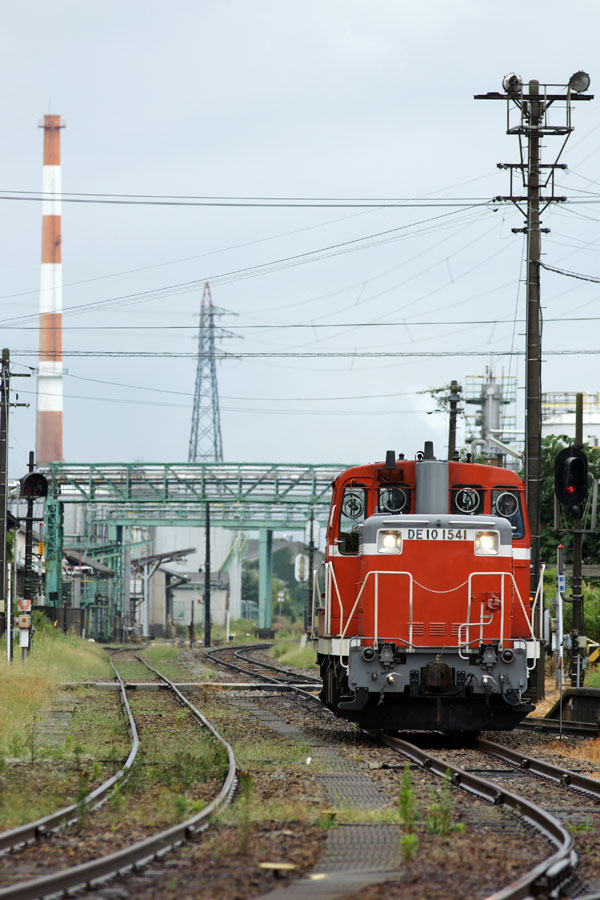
x,y
221,539
185,597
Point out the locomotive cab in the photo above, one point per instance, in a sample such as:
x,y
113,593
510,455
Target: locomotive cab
x,y
426,620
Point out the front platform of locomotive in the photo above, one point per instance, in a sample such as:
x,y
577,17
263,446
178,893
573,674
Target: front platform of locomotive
x,y
432,630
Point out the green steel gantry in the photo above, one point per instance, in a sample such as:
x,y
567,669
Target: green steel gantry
x,y
265,497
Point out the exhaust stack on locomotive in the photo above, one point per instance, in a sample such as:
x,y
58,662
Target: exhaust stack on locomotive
x,y
424,620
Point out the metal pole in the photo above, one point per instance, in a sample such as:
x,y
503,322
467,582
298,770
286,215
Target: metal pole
x,y
27,583
207,580
192,635
146,601
4,399
453,398
560,591
9,625
577,671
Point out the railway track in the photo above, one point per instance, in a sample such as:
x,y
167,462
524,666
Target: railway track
x,y
95,871
15,838
555,726
525,796
238,659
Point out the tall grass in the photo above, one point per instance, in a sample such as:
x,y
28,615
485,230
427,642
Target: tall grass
x,y
288,651
30,689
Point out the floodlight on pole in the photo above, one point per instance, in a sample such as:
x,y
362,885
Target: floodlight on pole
x,y
512,83
579,82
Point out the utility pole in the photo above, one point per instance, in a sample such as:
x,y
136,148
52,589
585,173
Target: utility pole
x,y
453,400
4,401
532,104
533,375
207,580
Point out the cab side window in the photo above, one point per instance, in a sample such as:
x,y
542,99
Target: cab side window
x,y
467,500
506,502
353,511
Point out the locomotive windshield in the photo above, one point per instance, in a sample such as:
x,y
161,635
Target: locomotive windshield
x,y
352,513
394,500
467,500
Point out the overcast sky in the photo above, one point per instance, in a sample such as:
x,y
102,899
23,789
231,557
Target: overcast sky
x,y
276,98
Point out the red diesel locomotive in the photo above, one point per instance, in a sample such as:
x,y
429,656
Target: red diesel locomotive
x,y
425,615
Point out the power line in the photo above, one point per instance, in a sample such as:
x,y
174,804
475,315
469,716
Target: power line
x,y
310,326
236,202
290,354
242,409
140,387
248,271
593,278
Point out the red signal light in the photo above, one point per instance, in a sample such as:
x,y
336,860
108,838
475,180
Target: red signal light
x,y
571,489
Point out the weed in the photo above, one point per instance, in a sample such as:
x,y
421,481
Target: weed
x,y
31,734
244,812
116,798
16,744
96,771
78,753
182,806
587,826
409,844
325,820
83,809
439,815
406,802
188,768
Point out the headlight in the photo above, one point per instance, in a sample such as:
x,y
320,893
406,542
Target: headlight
x,y
486,543
389,542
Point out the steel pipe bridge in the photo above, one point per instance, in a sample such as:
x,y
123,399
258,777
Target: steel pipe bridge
x,y
263,497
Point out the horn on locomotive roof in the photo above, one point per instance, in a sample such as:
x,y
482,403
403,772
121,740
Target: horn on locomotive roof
x,y
390,459
428,450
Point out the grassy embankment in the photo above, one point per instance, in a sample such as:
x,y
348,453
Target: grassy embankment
x,y
31,689
54,743
288,651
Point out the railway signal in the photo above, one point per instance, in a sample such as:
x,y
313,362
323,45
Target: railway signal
x,y
571,478
33,486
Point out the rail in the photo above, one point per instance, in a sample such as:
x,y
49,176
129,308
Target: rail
x,y
540,767
31,831
240,651
551,871
97,870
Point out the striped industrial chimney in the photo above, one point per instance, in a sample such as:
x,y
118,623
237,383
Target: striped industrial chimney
x,y
50,368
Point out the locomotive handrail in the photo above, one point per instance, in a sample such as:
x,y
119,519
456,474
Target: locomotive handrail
x,y
539,593
468,624
316,593
377,572
329,577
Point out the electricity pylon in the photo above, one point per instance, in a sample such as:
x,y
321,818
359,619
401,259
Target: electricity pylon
x,y
206,444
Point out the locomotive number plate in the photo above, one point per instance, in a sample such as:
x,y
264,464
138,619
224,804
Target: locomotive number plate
x,y
436,534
